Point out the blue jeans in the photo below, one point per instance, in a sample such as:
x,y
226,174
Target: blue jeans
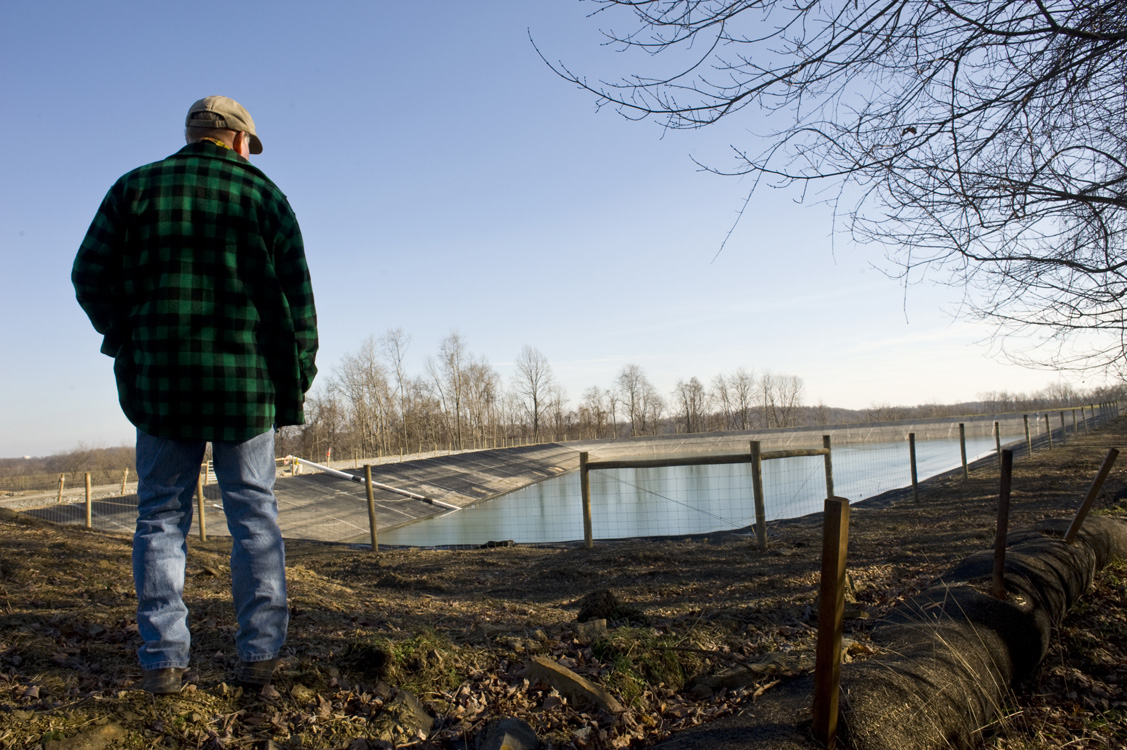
x,y
167,472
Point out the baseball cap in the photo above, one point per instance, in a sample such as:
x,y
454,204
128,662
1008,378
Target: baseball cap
x,y
232,116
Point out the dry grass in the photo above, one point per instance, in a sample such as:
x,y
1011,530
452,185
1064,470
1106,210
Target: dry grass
x,y
457,628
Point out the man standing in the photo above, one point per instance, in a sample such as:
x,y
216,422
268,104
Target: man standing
x,y
194,272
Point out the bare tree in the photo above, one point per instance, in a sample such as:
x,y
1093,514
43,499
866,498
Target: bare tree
x,y
447,376
394,344
613,402
653,409
984,143
691,403
593,412
533,382
482,388
361,382
885,412
722,397
782,399
557,411
742,385
632,386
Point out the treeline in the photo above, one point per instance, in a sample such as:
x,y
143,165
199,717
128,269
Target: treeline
x,y
80,460
371,406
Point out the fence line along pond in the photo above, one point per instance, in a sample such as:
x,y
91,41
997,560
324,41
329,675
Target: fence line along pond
x,y
670,501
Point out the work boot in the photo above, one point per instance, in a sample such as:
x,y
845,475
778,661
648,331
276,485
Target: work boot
x,y
162,681
255,675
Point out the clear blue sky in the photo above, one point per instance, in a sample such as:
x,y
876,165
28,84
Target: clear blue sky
x,y
444,178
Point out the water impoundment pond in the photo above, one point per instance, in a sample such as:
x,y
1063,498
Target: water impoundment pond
x,y
628,503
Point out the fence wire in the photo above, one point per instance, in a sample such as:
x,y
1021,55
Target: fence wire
x,y
867,461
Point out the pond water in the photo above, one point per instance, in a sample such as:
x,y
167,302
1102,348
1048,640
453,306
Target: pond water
x,y
628,503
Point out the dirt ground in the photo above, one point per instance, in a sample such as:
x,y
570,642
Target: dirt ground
x,y
696,628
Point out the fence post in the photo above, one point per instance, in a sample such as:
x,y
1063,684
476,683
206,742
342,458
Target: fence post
x,y
998,443
829,466
1075,430
1049,430
1086,505
912,461
371,507
1063,431
757,488
963,449
998,582
831,611
1028,437
89,504
199,503
124,479
62,481
585,494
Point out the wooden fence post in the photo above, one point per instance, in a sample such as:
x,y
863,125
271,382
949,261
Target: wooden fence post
x,y
998,583
1049,430
912,461
89,504
62,481
1063,430
585,496
1093,490
829,466
124,480
371,507
998,443
1028,437
831,611
963,449
757,489
199,503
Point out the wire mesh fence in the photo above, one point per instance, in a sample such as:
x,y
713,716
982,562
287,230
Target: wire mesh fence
x,y
867,460
69,479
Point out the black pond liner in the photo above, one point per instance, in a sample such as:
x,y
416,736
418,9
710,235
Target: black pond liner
x,y
948,657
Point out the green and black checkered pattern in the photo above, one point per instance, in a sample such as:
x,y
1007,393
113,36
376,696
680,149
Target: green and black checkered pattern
x,y
194,272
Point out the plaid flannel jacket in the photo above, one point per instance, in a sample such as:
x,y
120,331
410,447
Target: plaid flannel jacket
x,y
194,272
